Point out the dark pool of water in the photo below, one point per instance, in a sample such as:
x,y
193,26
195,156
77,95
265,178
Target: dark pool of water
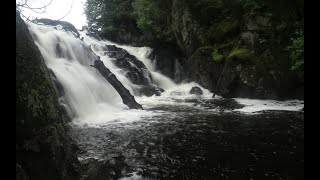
x,y
189,143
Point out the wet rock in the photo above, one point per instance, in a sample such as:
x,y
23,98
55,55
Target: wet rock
x,y
149,90
114,168
133,68
64,24
196,90
57,85
226,104
43,147
112,48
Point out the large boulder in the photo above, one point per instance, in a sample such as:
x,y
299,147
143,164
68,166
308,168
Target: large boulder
x,y
196,90
149,90
133,68
43,147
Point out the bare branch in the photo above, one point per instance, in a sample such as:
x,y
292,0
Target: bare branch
x,y
25,4
39,10
67,12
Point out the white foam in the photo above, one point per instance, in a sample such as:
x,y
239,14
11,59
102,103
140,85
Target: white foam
x,y
256,105
134,176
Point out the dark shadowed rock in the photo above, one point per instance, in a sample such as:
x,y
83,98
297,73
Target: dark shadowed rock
x,y
67,114
20,173
134,69
149,90
114,168
43,147
196,90
127,98
112,48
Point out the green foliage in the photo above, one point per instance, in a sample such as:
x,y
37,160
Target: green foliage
x,y
296,49
241,53
151,16
93,10
216,56
109,31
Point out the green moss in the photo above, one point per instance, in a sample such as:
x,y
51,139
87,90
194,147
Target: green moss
x,y
250,58
216,56
243,54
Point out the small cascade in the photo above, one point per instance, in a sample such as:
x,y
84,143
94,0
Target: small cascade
x,y
83,91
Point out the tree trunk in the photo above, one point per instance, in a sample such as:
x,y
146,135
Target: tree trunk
x,y
127,98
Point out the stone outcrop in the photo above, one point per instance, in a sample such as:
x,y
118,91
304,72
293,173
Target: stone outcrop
x,y
44,149
196,90
64,24
134,70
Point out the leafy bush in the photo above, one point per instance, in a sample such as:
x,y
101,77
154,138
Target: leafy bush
x,y
151,16
216,56
296,49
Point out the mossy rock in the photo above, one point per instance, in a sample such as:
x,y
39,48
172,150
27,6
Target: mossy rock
x,y
203,53
223,30
42,154
242,53
36,102
246,56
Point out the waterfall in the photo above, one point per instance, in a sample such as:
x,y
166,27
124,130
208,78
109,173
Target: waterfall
x,y
87,95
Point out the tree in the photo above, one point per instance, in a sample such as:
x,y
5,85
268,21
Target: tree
x,y
22,5
25,4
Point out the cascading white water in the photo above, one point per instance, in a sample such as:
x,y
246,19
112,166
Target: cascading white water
x,y
91,99
87,93
89,96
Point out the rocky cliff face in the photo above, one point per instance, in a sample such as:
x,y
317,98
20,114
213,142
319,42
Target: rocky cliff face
x,y
266,74
186,29
43,148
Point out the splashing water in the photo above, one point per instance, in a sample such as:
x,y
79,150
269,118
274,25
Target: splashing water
x,y
91,99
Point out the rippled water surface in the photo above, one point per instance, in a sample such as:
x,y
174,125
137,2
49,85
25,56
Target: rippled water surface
x,y
199,139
